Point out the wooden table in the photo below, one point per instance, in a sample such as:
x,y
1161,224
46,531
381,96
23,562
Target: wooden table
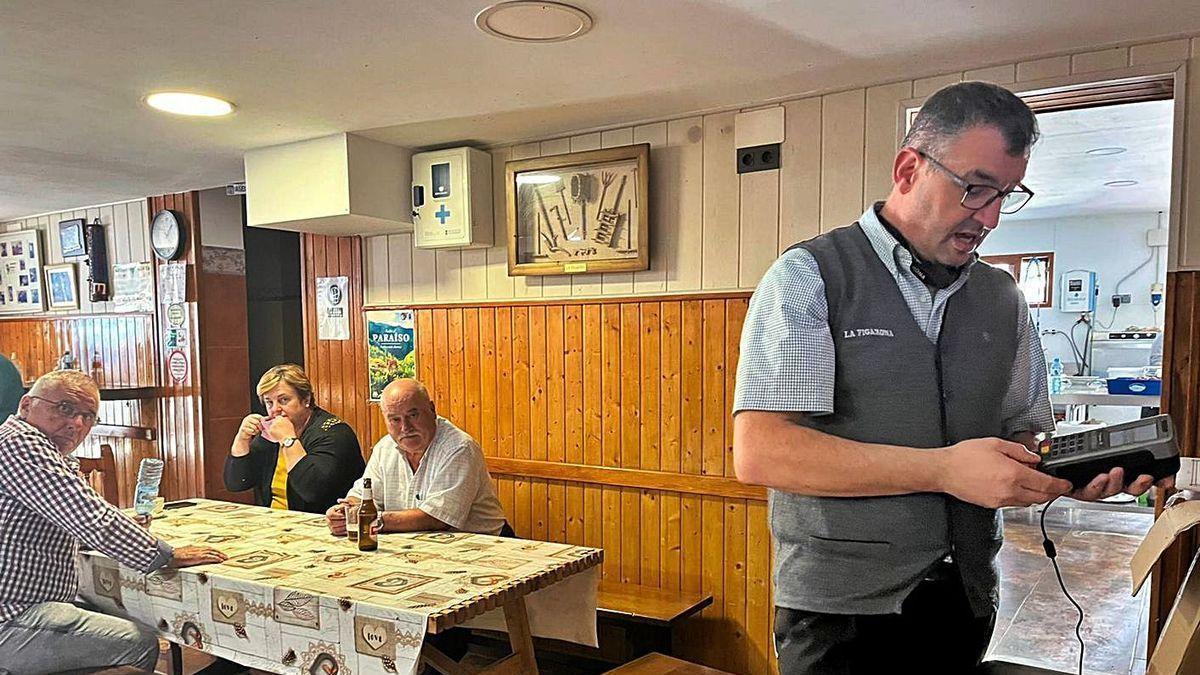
x,y
293,599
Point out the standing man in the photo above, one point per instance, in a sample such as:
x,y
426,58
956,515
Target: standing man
x,y
889,392
46,510
426,474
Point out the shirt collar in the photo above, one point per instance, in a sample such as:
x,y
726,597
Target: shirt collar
x,y
895,257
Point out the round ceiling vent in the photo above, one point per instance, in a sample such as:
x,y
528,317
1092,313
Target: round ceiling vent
x,y
530,21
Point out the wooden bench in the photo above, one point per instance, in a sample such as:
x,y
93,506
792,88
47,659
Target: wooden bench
x,y
642,618
631,621
660,664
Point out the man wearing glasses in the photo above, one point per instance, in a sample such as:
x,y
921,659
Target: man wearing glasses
x,y
889,392
46,510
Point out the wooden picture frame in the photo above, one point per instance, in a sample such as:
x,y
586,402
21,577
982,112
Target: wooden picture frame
x,y
62,288
580,212
71,238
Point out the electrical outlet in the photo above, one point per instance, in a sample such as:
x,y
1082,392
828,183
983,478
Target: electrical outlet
x,y
758,158
1122,299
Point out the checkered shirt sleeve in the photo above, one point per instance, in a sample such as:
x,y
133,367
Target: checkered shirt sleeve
x,y
1026,405
787,361
46,509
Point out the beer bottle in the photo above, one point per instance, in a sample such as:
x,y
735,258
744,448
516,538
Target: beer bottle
x,y
367,515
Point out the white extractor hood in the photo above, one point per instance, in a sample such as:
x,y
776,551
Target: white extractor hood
x,y
336,185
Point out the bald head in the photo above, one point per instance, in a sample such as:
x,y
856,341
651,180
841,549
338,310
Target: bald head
x,y
410,415
404,388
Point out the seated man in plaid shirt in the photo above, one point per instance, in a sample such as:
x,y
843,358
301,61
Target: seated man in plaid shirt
x,y
46,510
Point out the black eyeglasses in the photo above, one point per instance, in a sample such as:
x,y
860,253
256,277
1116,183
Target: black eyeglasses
x,y
69,411
977,196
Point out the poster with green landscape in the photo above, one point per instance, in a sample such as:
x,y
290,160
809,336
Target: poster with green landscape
x,y
391,348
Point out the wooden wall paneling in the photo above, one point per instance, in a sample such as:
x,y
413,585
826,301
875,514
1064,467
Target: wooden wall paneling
x,y
617,283
538,424
376,270
522,506
881,138
842,128
556,413
629,383
758,238
593,416
499,284
669,442
557,285
524,286
573,422
651,453
663,212
448,263
1188,236
489,362
472,367
691,444
455,345
1181,399
712,511
734,588
680,233
400,268
721,204
760,607
610,385
735,316
800,172
586,284
505,395
425,274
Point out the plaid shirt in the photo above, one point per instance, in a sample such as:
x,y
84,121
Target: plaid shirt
x,y
46,510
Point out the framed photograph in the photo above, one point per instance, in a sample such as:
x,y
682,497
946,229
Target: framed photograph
x,y
70,238
21,272
61,289
582,212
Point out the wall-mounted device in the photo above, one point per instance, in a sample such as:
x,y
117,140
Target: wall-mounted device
x,y
452,198
1078,292
1145,446
97,261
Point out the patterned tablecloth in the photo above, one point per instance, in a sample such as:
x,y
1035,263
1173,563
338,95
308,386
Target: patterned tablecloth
x,y
293,599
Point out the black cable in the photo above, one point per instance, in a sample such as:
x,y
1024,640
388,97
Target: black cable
x,y
1052,554
1070,341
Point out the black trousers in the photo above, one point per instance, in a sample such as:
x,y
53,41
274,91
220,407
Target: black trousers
x,y
935,632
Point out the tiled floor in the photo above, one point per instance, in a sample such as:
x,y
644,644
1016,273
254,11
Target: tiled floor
x,y
1036,623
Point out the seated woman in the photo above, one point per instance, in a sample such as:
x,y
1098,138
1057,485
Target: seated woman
x,y
299,457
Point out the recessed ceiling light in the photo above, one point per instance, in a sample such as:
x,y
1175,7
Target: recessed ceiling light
x,y
1121,183
1104,152
182,103
531,21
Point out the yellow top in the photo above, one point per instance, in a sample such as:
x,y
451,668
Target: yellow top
x,y
279,484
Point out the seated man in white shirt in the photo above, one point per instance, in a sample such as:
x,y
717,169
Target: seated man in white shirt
x,y
426,474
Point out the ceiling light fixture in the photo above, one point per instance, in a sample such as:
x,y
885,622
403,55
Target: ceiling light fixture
x,y
1104,152
531,21
182,103
1121,183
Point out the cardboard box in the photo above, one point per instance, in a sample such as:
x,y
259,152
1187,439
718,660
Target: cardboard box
x,y
1178,650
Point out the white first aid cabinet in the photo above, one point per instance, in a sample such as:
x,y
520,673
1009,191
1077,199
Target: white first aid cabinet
x,y
452,198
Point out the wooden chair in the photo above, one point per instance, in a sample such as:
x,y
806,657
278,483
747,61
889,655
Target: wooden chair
x,y
106,466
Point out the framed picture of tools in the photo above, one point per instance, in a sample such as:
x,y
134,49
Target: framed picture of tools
x,y
579,213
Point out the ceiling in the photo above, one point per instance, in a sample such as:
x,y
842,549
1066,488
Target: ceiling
x,y
419,73
1067,181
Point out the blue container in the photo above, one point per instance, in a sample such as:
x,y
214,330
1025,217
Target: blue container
x,y
1138,386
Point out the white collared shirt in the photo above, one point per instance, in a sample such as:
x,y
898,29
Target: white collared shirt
x,y
451,483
